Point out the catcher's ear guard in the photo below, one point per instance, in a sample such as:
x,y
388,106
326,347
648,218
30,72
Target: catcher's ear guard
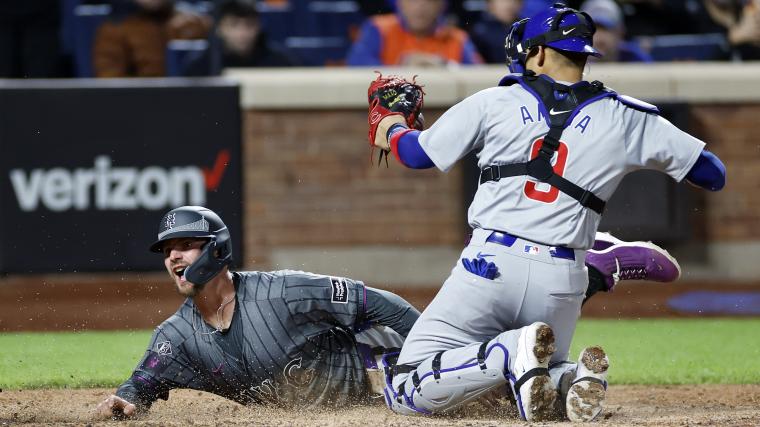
x,y
515,56
215,255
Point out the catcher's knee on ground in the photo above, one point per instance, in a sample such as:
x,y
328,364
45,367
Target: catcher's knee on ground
x,y
449,379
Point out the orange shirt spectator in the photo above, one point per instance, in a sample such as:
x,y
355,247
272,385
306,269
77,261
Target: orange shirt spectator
x,y
136,46
413,36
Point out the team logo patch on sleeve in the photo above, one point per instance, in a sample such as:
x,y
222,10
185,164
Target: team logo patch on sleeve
x,y
339,290
164,348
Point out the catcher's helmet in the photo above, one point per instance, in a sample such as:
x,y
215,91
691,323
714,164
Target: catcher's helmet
x,y
202,223
558,27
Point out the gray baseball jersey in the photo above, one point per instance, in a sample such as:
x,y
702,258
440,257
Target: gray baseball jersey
x,y
606,140
291,341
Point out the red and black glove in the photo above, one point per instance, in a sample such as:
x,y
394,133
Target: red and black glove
x,y
392,100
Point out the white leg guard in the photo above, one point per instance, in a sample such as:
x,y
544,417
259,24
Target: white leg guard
x,y
449,379
455,377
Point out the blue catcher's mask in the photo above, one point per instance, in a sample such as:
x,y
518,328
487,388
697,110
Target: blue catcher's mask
x,y
558,27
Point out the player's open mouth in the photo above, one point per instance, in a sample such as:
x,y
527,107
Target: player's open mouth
x,y
180,272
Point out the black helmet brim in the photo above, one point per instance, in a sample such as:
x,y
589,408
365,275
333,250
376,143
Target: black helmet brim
x,y
158,245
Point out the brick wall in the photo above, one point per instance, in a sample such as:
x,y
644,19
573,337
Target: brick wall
x,y
308,181
731,132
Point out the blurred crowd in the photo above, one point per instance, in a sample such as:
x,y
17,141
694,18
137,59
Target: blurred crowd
x,y
152,38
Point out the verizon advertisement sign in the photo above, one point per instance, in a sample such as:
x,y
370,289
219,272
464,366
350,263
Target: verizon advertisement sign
x,y
106,187
87,172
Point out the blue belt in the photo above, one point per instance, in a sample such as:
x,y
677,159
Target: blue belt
x,y
508,240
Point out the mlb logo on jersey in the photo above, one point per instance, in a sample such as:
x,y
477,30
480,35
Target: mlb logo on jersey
x,y
339,290
531,250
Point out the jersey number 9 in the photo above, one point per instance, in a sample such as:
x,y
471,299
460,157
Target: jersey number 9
x,y
543,192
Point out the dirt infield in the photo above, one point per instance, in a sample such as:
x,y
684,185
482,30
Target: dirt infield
x,y
724,405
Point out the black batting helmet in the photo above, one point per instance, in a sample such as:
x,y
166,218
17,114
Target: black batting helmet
x,y
202,223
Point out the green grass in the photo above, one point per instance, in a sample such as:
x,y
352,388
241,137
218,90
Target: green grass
x,y
69,359
688,351
679,351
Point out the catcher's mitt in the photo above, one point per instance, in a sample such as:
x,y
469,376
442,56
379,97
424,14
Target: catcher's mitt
x,y
392,100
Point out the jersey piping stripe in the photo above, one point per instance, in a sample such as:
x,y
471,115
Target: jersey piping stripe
x,y
261,343
274,337
259,366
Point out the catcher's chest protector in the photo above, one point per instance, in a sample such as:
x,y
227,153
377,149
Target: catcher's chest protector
x,y
559,103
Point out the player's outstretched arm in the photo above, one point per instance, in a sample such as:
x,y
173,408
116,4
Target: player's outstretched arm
x,y
162,367
115,407
388,309
405,145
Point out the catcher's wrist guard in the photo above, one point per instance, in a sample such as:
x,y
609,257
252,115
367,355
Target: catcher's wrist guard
x,y
383,127
394,136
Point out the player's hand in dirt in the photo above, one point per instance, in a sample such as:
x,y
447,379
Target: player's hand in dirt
x,y
116,408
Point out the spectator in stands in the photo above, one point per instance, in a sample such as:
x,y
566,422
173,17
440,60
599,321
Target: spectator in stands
x,y
29,43
490,33
610,32
239,42
742,23
416,35
738,21
652,17
136,46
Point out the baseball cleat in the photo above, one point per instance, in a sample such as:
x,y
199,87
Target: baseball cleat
x,y
605,240
633,261
535,392
586,394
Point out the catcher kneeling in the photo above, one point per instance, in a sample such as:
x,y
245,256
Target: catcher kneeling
x,y
552,149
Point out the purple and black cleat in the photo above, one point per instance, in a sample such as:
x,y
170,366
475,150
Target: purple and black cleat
x,y
618,260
